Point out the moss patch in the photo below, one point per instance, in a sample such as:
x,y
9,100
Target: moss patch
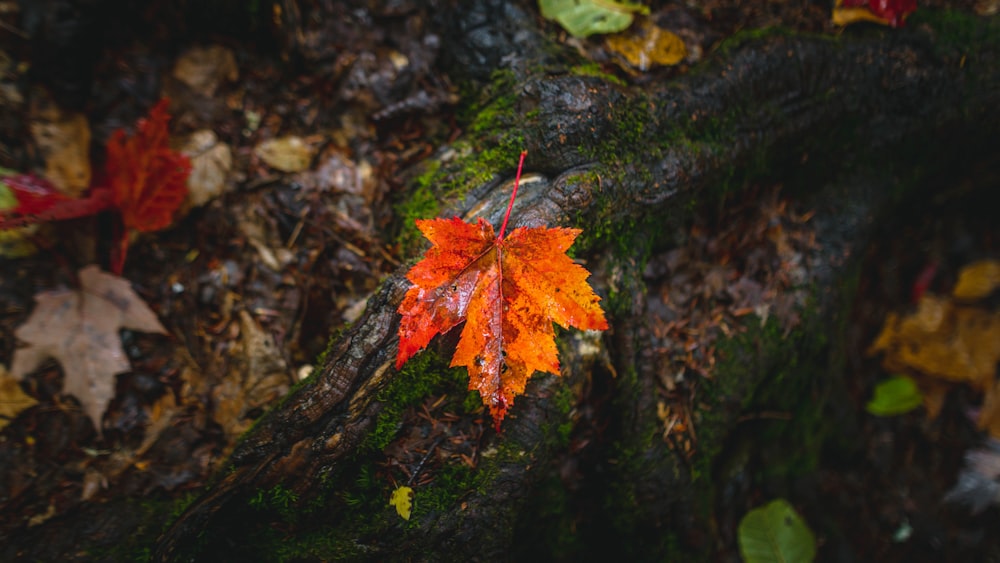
x,y
494,145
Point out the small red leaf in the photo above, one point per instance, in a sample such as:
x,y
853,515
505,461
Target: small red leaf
x,y
148,180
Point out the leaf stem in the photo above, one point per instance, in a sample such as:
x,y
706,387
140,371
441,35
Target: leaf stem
x,y
517,180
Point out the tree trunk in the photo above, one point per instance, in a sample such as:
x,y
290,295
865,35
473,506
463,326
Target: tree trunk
x,y
627,165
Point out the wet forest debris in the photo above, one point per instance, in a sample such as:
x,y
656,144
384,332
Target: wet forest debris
x,y
750,261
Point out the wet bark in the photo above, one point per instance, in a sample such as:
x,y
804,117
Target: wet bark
x,y
774,98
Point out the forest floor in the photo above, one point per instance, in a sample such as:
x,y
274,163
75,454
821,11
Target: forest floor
x,y
291,238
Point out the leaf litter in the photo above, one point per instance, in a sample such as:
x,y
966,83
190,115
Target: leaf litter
x,y
209,276
747,264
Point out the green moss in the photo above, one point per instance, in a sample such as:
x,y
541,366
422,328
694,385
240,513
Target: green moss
x,y
422,375
564,401
748,35
594,70
959,33
155,515
496,142
279,499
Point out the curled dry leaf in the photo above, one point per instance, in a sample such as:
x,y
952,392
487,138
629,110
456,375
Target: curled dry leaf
x,y
79,328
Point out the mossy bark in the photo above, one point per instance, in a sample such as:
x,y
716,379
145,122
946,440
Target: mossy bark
x,y
624,164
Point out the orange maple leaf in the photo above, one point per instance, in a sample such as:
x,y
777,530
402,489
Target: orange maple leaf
x,y
509,291
148,180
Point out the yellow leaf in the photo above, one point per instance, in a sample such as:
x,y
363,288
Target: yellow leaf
x,y
402,499
977,280
648,46
845,16
942,340
12,399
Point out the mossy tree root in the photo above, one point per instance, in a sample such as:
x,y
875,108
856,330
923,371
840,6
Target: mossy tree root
x,y
619,163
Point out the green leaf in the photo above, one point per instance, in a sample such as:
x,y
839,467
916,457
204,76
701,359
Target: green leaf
x,y
7,198
896,395
775,533
587,17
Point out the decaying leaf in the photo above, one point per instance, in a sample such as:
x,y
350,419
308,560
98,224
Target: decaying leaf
x,y
509,292
942,340
79,328
13,399
148,180
63,140
648,46
257,376
402,499
582,18
203,69
211,161
288,154
977,280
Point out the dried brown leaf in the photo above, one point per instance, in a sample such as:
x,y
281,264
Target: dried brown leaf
x,y
79,328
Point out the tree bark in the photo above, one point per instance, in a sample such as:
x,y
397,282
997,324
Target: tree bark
x,y
603,154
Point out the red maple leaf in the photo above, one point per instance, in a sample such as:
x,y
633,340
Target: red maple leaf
x,y
508,291
148,180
